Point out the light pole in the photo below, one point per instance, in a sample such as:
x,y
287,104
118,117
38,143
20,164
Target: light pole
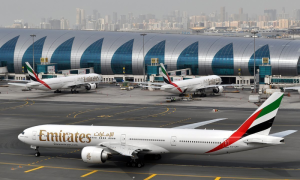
x,y
254,34
33,35
144,57
293,30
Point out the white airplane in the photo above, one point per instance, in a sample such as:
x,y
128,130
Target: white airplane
x,y
89,81
100,143
202,85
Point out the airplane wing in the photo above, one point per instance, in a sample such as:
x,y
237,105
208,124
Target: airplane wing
x,y
17,84
294,88
283,133
216,85
125,150
13,80
160,84
195,125
153,87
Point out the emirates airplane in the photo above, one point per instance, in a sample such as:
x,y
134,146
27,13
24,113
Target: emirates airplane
x,y
100,143
202,85
89,81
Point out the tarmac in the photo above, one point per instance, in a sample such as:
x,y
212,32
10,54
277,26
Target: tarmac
x,y
110,106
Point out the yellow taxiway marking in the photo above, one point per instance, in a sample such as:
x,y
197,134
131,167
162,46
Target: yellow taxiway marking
x,y
218,178
33,169
151,176
123,172
87,174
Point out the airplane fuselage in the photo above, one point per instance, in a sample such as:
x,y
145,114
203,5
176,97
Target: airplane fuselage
x,y
191,85
64,82
158,140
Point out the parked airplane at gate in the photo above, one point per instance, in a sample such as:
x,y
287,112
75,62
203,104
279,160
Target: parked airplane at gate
x,y
202,85
89,81
99,143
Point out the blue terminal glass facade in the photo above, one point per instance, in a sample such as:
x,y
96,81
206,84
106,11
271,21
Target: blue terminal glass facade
x,y
92,56
259,54
123,58
189,58
28,55
157,51
222,63
62,55
189,52
7,54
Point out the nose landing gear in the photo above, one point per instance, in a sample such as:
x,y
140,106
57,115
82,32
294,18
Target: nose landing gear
x,y
36,148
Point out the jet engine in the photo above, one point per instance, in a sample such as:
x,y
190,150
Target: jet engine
x,y
90,86
92,154
218,89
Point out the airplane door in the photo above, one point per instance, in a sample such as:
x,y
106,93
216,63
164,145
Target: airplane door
x,y
123,139
173,141
34,135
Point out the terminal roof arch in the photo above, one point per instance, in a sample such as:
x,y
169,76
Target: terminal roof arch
x,y
38,49
157,51
91,57
188,58
62,55
7,52
263,51
122,58
223,62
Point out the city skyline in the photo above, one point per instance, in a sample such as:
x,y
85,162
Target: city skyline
x,y
32,11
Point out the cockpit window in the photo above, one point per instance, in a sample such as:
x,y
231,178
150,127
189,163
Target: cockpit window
x,y
23,132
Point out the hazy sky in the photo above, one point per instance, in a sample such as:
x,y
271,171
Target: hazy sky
x,y
33,10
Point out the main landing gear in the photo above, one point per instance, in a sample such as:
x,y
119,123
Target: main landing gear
x,y
139,163
74,91
135,163
57,91
152,156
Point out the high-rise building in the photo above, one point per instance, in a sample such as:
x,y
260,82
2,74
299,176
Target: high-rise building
x,y
271,14
54,23
122,20
83,19
107,19
296,14
64,23
115,17
222,14
142,18
95,14
284,23
78,17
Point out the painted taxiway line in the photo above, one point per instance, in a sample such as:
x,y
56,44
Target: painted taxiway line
x,y
124,172
87,174
151,176
40,167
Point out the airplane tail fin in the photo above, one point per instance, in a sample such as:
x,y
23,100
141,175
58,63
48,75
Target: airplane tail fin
x,y
261,121
32,75
166,77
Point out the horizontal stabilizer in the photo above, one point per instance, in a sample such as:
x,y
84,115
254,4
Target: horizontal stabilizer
x,y
283,133
195,125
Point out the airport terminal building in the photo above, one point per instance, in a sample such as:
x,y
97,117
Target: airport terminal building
x,y
112,53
